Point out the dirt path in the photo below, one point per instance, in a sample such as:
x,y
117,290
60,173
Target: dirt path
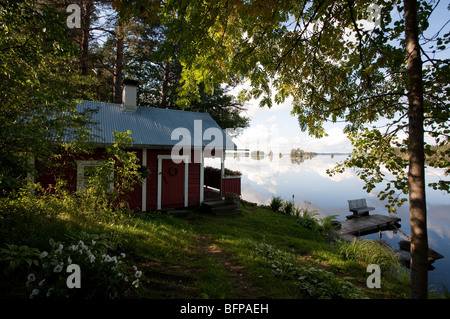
x,y
244,287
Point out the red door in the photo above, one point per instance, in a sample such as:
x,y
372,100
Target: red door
x,y
172,184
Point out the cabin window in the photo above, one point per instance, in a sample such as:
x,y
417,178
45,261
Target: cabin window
x,y
87,169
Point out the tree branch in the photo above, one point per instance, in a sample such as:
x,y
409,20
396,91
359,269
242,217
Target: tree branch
x,y
358,32
106,67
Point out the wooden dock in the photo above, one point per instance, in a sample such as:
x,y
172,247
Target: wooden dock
x,y
365,225
354,227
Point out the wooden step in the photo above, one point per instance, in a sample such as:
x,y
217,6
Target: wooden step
x,y
221,207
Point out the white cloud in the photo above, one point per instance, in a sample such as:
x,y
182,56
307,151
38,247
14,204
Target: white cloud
x,y
267,176
275,129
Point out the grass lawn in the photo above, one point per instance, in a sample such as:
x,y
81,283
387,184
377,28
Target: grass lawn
x,y
255,254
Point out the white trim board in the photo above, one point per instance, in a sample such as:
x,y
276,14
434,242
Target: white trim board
x,y
202,178
144,182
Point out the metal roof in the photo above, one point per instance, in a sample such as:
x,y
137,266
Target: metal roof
x,y
156,127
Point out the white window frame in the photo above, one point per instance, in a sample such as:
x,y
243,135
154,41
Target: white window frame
x,y
81,178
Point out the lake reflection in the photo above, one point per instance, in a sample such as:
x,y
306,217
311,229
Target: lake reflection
x,y
307,183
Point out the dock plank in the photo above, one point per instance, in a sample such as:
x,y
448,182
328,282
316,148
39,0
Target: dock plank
x,y
368,224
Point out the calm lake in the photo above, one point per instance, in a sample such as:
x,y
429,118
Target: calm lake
x,y
307,183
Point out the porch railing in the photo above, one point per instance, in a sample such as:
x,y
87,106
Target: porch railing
x,y
231,184
227,184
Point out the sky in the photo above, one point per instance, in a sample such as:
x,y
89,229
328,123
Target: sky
x,y
276,130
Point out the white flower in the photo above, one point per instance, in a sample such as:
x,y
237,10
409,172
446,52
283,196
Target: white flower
x,y
41,282
134,267
91,257
49,291
123,255
83,246
58,268
31,278
69,260
34,292
136,283
74,247
93,242
44,254
59,250
138,274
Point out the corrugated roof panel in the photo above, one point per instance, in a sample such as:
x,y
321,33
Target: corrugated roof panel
x,y
154,126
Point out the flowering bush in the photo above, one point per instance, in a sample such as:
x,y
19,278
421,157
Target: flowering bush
x,y
102,275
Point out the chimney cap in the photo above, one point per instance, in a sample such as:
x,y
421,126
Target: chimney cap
x,y
130,81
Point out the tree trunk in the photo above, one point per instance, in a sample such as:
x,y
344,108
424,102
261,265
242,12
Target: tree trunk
x,y
165,84
86,11
117,93
416,174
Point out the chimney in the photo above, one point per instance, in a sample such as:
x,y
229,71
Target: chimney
x,y
129,94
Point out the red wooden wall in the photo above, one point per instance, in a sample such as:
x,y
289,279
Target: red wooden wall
x,y
66,169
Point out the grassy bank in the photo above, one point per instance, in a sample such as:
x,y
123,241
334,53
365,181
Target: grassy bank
x,y
256,254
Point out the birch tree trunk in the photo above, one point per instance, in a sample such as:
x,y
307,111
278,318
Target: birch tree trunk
x,y
416,173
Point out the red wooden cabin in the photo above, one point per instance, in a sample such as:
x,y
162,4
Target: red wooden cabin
x,y
176,178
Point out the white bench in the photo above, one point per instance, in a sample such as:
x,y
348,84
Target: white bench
x,y
358,207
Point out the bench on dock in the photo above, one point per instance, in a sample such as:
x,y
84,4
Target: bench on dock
x,y
359,208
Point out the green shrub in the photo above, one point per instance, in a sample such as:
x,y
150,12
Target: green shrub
x,y
276,203
18,257
329,223
99,196
367,251
287,208
32,220
306,218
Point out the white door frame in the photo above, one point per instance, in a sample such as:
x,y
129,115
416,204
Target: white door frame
x,y
144,182
202,177
184,158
